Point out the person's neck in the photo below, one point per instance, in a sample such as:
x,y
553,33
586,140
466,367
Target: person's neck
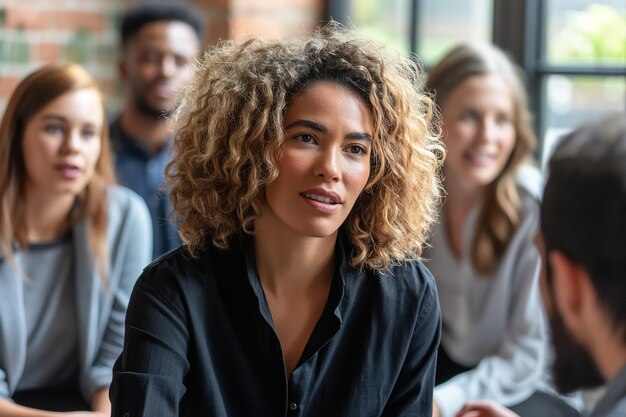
x,y
609,353
46,215
150,131
290,265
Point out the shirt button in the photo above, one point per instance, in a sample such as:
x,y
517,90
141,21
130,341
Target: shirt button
x,y
293,406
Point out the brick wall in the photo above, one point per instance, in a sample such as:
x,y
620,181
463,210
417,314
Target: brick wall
x,y
35,32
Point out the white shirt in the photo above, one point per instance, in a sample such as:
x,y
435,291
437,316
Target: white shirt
x,y
495,324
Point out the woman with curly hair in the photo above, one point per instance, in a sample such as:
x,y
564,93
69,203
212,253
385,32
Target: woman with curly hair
x,y
482,252
304,184
72,245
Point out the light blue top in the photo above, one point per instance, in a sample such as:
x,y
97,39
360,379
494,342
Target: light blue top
x,y
100,311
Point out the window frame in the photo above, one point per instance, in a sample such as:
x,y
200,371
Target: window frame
x,y
510,24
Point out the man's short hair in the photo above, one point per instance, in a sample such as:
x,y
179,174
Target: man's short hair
x,y
583,214
142,14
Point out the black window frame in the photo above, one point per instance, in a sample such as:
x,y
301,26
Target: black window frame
x,y
518,27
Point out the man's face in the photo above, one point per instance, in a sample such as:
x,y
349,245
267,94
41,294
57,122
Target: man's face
x,y
573,367
157,63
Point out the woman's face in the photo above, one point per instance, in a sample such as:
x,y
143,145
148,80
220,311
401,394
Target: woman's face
x,y
479,131
325,163
61,143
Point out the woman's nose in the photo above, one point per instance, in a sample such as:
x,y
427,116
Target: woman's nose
x,y
328,164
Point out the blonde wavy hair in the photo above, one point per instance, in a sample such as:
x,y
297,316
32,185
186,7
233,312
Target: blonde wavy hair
x,y
230,136
32,94
500,213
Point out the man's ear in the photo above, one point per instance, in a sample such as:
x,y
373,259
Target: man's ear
x,y
571,287
121,68
544,282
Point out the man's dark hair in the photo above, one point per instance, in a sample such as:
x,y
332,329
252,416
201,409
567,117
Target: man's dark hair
x,y
142,14
583,214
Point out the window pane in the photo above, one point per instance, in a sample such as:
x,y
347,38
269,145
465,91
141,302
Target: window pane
x,y
387,21
586,32
443,23
571,101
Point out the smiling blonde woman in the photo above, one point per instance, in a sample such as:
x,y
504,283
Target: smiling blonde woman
x,y
482,252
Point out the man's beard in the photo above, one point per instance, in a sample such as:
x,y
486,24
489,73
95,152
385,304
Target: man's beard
x,y
573,367
150,111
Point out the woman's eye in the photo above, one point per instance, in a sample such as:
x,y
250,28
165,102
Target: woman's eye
x,y
305,138
357,150
469,115
180,61
503,119
88,134
151,57
53,128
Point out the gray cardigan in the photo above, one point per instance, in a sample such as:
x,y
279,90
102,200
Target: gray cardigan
x,y
101,311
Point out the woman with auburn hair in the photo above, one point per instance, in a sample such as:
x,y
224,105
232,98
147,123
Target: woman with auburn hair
x,y
482,252
304,184
71,247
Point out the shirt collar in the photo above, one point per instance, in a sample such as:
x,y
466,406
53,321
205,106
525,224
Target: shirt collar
x,y
337,287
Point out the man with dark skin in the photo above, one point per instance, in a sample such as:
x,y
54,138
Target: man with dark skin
x,y
159,43
583,242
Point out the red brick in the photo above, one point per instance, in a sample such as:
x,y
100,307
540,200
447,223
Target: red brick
x,y
48,52
75,20
260,6
56,19
23,18
7,85
269,27
216,29
212,4
107,86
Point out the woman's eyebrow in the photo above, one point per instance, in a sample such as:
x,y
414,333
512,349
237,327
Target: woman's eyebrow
x,y
307,123
321,128
54,117
359,135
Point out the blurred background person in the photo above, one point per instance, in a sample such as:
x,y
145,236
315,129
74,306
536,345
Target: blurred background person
x,y
72,246
583,243
159,44
482,255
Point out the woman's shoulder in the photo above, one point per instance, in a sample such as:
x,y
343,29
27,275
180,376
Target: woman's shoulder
x,y
192,271
408,278
124,199
530,183
125,208
171,275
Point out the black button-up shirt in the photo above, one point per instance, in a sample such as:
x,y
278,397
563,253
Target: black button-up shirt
x,y
200,342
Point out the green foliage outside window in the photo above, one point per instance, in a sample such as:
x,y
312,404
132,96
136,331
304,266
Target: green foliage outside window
x,y
595,35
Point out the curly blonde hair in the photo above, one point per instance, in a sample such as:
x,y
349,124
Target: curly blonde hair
x,y
230,136
500,213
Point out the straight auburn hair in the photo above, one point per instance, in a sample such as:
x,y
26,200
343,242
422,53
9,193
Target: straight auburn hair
x,y
32,94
